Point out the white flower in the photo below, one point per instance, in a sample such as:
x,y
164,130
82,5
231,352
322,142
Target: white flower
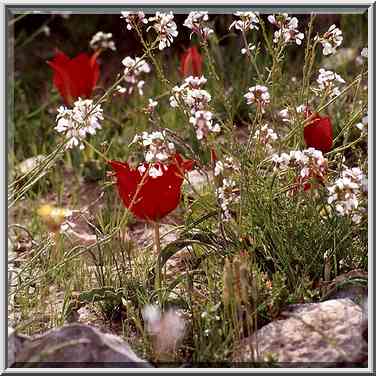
x,y
251,47
326,81
364,52
195,82
197,22
203,123
287,29
218,169
191,94
135,66
363,126
157,150
134,18
346,193
133,69
197,99
140,85
308,164
141,169
266,136
248,21
331,40
284,115
155,171
76,123
165,27
227,192
121,89
103,41
152,105
259,95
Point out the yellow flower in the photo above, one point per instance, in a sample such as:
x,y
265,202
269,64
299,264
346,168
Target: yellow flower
x,y
53,216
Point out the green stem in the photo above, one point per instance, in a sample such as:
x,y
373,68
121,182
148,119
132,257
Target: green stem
x,y
95,150
157,245
248,53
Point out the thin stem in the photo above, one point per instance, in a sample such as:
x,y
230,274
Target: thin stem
x,y
95,150
248,53
157,245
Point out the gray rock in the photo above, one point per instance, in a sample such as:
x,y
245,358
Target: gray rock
x,y
77,345
323,334
16,343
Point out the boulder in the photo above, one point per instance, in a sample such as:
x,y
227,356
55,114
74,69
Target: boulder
x,y
326,334
75,346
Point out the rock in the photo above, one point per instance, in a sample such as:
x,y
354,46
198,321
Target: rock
x,y
16,342
76,345
312,335
197,180
352,285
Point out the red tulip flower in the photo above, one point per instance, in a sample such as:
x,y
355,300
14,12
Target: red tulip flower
x,y
318,133
76,77
191,63
148,197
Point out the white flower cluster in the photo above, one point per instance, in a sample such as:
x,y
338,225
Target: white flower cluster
x,y
203,123
191,94
102,41
134,18
196,99
287,28
266,136
165,27
326,81
259,95
248,21
363,125
227,196
157,151
167,328
228,164
78,122
133,69
197,22
227,191
309,164
152,105
331,40
346,193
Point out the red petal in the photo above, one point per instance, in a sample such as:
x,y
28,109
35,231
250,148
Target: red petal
x,y
156,197
62,79
318,134
75,77
191,63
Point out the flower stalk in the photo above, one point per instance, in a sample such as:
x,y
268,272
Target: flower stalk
x,y
157,246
